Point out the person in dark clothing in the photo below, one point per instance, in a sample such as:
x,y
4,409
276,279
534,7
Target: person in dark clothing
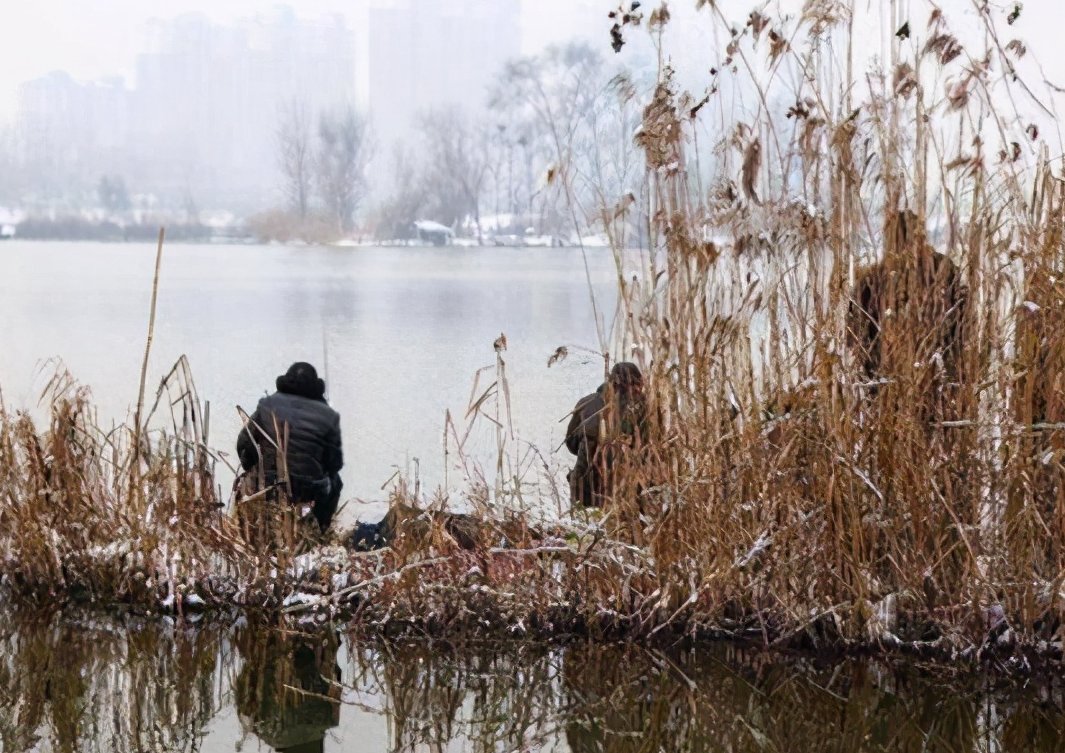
x,y
298,417
585,482
616,409
918,291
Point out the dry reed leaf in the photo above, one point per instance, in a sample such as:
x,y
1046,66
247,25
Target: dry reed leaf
x,y
811,135
778,45
623,85
1012,154
693,112
945,46
962,160
560,355
822,15
797,111
752,162
659,134
757,22
659,18
904,81
623,207
958,93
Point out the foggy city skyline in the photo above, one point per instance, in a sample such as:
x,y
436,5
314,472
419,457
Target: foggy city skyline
x,y
99,41
57,29
184,101
182,108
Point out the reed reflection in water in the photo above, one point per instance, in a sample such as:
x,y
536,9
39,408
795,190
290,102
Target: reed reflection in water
x,y
94,684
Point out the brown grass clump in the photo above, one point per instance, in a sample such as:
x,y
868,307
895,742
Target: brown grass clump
x,y
787,483
86,514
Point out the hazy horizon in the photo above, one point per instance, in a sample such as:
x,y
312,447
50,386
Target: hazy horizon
x,y
195,121
92,44
98,40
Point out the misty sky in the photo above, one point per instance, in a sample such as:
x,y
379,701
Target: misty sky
x,y
91,40
101,38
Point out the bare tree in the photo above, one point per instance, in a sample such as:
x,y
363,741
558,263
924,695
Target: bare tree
x,y
295,156
343,154
395,217
457,163
576,118
112,193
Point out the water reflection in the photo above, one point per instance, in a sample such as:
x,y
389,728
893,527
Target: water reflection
x,y
288,691
483,700
90,685
105,685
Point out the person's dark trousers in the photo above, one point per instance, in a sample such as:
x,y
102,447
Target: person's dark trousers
x,y
585,481
325,493
325,506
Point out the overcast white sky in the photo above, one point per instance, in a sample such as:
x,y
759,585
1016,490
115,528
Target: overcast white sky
x,y
100,38
94,39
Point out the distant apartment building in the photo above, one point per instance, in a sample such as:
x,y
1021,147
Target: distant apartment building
x,y
199,126
66,128
209,97
424,55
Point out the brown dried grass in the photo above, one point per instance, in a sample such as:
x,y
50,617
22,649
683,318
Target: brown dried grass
x,y
776,486
87,514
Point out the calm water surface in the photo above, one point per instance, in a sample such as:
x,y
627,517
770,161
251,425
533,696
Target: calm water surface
x,y
88,684
403,332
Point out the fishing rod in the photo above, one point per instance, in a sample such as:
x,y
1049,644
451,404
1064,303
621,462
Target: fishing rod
x,y
325,363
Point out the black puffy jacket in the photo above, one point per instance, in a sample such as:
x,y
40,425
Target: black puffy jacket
x,y
314,449
584,421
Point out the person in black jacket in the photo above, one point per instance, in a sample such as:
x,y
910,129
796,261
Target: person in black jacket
x,y
921,292
591,425
299,415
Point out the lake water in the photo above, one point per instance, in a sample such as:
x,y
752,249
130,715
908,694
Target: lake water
x,y
400,334
92,684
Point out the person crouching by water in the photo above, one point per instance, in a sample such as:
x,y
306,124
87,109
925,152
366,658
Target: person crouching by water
x,y
298,418
615,413
908,314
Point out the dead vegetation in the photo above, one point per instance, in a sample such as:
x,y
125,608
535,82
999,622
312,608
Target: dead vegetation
x,y
782,493
784,486
75,525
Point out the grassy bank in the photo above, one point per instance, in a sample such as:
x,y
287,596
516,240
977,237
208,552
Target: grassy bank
x,y
80,525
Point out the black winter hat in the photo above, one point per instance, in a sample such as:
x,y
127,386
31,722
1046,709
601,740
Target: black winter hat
x,y
626,375
302,379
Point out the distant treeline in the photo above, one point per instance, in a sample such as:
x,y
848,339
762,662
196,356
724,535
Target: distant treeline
x,y
81,229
